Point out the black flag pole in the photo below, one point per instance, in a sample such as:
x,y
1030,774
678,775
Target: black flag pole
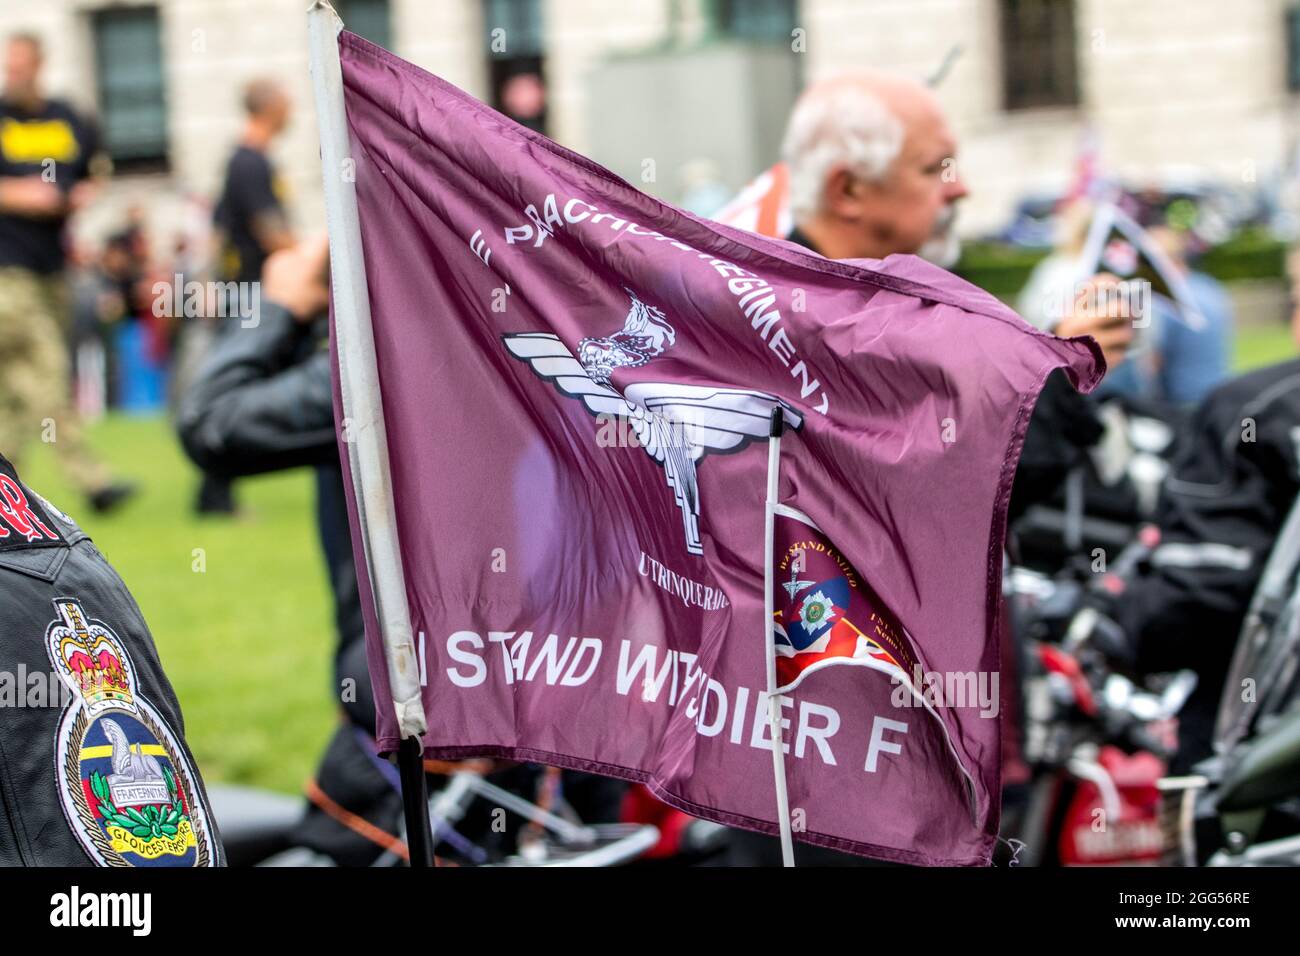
x,y
415,802
777,426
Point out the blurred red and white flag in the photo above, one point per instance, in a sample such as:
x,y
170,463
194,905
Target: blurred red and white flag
x,y
763,205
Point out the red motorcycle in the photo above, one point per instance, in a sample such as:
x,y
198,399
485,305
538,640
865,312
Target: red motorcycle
x,y
1096,743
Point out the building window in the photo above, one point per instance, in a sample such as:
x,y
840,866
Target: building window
x,y
129,75
1039,58
516,60
1293,49
367,18
765,21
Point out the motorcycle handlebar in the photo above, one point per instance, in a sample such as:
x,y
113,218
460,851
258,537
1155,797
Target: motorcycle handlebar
x,y
1121,572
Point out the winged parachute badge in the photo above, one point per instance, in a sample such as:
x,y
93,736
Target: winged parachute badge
x,y
676,424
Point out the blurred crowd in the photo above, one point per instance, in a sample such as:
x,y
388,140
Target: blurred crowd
x,y
121,303
869,168
116,324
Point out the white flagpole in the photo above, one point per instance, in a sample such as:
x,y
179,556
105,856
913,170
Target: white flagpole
x,y
359,378
769,582
363,414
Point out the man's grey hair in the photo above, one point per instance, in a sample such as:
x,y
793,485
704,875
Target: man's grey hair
x,y
841,125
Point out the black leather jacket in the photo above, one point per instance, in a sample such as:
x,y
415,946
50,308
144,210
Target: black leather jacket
x,y
1234,478
263,402
93,762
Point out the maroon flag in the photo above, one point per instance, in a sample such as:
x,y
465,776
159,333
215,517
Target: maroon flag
x,y
577,383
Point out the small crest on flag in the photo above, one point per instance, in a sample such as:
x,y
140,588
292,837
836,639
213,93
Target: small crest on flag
x,y
826,614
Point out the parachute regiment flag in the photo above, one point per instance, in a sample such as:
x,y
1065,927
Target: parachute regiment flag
x,y
557,503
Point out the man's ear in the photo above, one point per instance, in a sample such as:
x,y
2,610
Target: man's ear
x,y
842,194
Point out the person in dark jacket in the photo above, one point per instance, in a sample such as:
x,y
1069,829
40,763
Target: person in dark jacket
x,y
94,768
262,402
1234,480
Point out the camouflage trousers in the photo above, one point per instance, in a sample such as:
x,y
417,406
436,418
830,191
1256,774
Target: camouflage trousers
x,y
35,369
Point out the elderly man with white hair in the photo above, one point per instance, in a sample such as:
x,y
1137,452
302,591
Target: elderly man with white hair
x,y
873,171
870,166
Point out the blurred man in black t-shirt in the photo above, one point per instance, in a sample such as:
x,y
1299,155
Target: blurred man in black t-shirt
x,y
46,154
250,221
250,215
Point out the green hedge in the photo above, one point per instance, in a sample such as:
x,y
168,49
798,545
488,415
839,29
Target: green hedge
x,y
1251,254
997,267
1004,269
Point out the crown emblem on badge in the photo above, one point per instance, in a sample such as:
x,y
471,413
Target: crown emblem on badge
x,y
90,659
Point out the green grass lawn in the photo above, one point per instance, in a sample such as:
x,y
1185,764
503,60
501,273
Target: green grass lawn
x,y
1258,345
247,642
